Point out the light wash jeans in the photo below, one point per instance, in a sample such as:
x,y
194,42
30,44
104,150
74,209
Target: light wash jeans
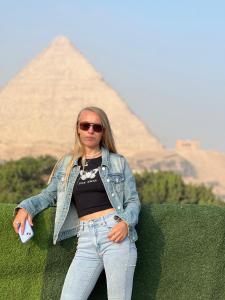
x,y
96,251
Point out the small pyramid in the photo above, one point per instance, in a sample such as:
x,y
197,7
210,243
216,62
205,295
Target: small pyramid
x,y
39,106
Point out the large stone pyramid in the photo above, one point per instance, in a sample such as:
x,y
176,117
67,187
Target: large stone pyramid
x,y
38,107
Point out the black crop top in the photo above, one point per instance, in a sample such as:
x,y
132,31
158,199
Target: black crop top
x,y
89,194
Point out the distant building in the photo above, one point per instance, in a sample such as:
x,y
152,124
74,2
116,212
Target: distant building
x,y
187,144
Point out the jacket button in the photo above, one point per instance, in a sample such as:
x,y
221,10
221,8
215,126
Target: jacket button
x,y
103,168
108,180
118,207
113,194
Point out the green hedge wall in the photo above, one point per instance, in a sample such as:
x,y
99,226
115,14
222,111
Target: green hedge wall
x,y
181,256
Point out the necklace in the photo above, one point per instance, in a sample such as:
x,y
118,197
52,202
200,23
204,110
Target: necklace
x,y
88,157
85,174
93,156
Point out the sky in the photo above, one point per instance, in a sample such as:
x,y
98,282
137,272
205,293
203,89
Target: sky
x,y
166,59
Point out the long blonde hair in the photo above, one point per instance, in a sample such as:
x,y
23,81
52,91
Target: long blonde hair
x,y
107,141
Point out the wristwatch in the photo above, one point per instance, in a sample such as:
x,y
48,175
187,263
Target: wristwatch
x,y
117,218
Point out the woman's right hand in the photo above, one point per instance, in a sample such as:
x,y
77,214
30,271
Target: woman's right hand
x,y
20,219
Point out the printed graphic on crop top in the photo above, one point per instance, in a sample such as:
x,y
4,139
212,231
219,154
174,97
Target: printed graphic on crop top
x,y
88,176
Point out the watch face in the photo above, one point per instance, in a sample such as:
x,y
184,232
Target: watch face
x,y
117,218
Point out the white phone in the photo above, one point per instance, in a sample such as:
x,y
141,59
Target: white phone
x,y
28,232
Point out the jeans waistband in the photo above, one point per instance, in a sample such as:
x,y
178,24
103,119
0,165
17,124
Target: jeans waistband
x,y
99,220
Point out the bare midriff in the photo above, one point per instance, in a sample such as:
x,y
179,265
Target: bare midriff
x,y
97,214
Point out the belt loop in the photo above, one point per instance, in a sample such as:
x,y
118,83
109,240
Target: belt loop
x,y
105,219
82,225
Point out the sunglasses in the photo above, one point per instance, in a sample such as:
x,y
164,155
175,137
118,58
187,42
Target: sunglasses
x,y
86,125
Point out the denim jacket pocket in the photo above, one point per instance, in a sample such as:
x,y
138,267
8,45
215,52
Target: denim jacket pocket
x,y
117,180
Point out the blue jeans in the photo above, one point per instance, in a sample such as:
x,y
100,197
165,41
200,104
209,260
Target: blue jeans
x,y
96,251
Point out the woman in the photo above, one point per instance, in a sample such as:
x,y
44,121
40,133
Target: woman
x,y
97,200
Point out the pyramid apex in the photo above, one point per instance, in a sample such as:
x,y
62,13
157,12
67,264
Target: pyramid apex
x,y
61,41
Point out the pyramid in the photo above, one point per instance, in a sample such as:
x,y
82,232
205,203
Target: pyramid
x,y
38,107
209,166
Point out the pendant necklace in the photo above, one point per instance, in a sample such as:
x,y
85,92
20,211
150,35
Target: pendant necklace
x,y
83,173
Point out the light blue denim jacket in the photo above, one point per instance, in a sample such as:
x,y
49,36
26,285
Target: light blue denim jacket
x,y
119,184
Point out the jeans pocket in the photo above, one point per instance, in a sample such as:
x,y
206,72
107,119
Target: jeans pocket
x,y
111,223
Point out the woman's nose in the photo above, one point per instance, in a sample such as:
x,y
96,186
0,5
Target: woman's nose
x,y
90,129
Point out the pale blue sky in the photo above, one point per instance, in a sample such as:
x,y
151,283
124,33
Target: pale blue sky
x,y
165,58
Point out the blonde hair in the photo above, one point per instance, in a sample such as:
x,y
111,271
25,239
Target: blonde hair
x,y
107,141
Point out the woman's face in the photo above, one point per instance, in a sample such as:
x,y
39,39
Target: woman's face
x,y
89,138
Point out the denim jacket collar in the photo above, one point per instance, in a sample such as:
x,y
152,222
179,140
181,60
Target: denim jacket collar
x,y
105,157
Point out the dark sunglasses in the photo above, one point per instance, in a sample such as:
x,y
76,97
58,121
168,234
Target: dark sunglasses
x,y
86,125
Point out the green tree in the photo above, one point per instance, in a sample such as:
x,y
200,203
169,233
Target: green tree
x,y
24,177
168,186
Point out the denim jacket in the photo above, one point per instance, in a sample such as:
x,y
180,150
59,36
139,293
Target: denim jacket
x,y
119,184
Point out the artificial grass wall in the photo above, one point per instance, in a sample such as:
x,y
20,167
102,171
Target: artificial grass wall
x,y
181,256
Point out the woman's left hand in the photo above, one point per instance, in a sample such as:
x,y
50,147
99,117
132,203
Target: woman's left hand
x,y
118,232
